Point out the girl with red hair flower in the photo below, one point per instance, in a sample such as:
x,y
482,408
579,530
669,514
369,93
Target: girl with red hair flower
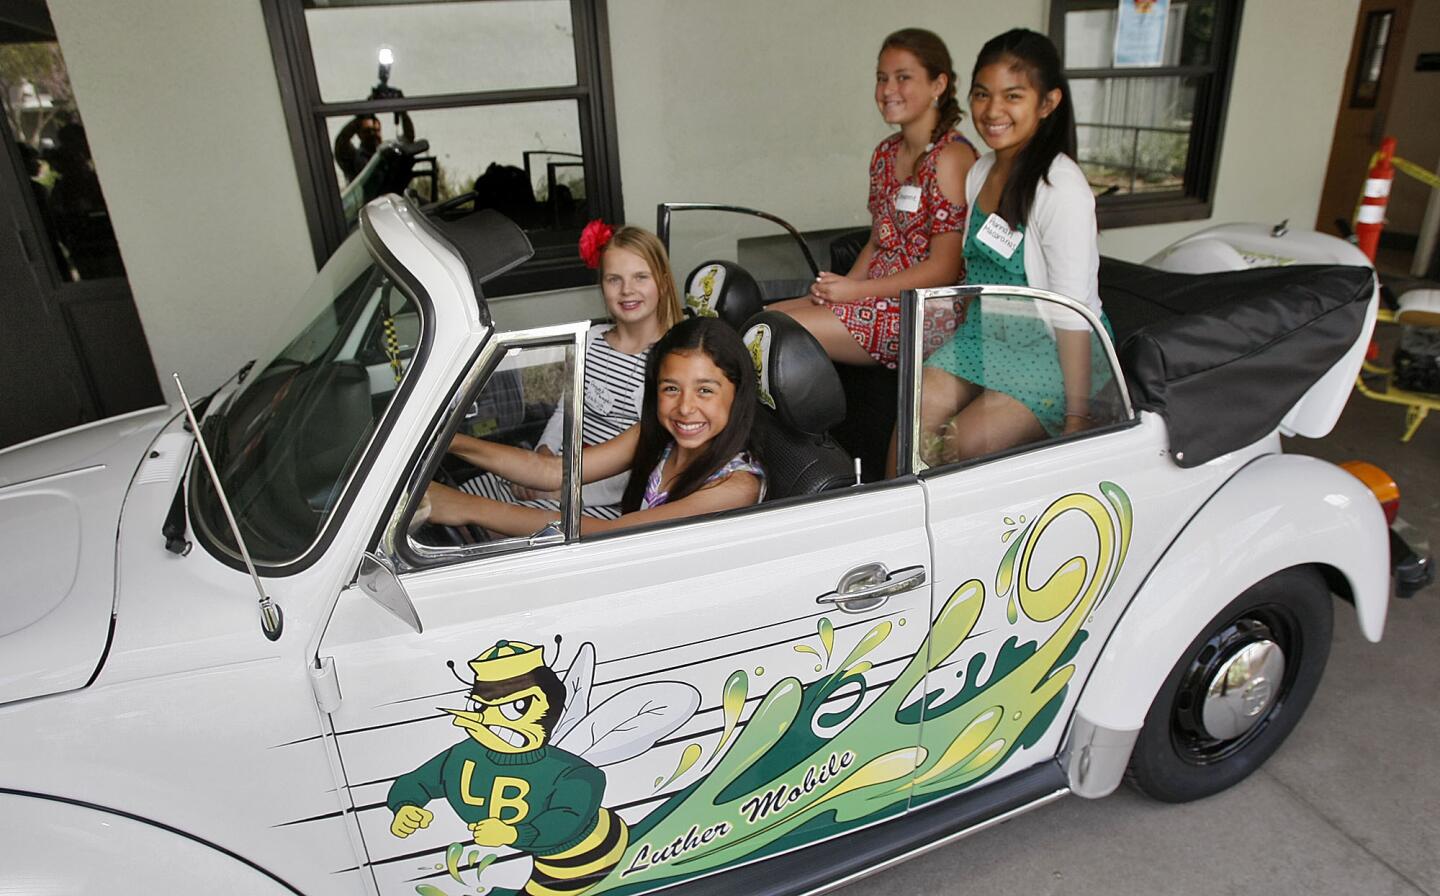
x,y
640,298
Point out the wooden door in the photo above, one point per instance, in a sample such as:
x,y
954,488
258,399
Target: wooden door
x,y
1364,106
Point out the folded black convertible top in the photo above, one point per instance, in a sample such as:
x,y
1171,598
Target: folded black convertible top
x,y
1224,357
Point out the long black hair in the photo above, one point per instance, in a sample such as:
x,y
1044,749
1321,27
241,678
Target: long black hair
x,y
1035,55
724,348
927,47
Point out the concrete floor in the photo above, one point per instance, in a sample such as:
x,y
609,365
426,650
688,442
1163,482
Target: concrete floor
x,y
1349,805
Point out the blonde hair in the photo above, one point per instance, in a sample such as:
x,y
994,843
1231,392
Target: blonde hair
x,y
648,246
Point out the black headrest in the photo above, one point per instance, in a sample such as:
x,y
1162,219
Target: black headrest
x,y
797,379
725,290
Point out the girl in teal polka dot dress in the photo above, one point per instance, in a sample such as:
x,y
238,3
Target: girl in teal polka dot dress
x,y
1019,370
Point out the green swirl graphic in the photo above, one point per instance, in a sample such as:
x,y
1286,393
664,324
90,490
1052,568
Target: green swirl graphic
x,y
758,786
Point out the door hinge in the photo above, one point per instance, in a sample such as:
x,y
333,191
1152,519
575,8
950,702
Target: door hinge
x,y
325,684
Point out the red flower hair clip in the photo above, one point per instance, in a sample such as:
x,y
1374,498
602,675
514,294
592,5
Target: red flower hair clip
x,y
593,240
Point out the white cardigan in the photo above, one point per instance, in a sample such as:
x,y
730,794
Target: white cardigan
x,y
1062,251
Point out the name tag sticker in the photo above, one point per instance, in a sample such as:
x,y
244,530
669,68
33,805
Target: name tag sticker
x,y
908,199
996,234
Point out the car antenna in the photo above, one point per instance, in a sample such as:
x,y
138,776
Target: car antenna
x,y
272,620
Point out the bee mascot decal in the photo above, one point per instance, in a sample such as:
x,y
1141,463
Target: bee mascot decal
x,y
514,786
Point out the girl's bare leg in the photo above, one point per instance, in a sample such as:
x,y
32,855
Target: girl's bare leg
x,y
827,329
942,396
992,422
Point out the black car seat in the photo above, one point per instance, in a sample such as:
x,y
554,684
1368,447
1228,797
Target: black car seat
x,y
846,247
725,290
801,400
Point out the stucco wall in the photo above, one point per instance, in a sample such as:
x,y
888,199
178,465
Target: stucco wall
x,y
183,115
781,116
767,104
746,101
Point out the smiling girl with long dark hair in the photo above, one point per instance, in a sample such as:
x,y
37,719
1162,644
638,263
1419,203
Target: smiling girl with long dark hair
x,y
1031,223
689,454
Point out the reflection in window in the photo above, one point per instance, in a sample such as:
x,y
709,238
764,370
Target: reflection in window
x,y
442,48
522,159
436,99
1148,131
1134,133
1018,371
45,123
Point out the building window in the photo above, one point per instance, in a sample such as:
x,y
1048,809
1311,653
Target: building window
x,y
1150,80
508,99
1366,89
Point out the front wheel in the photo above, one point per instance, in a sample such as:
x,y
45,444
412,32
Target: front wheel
x,y
1238,690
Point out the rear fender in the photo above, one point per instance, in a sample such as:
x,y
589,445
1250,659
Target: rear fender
x,y
1277,512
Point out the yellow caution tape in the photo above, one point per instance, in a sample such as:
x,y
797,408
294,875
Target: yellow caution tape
x,y
1405,166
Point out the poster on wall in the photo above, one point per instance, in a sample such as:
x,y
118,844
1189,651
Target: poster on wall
x,y
1140,33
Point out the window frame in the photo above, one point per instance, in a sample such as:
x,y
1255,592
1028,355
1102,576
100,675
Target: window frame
x,y
912,373
1196,198
382,261
399,544
306,114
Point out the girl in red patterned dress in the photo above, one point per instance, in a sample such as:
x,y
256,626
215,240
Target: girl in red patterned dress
x,y
917,209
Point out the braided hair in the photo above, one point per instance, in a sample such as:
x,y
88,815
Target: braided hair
x,y
927,47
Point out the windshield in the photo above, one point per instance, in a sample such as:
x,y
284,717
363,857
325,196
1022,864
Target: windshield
x,y
286,444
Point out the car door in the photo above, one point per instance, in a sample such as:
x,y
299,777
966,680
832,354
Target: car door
x,y
1038,543
673,701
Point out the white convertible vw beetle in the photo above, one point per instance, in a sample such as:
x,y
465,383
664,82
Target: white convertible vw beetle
x,y
416,709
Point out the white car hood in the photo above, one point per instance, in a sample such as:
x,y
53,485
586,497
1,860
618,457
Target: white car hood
x,y
60,501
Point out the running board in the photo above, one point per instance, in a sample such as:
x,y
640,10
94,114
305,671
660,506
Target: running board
x,y
842,861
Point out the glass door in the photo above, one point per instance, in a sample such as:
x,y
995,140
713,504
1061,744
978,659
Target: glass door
x,y
75,349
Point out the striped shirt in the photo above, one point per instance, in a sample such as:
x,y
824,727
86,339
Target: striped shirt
x,y
614,389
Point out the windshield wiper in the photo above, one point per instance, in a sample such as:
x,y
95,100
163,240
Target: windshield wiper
x,y
174,526
173,529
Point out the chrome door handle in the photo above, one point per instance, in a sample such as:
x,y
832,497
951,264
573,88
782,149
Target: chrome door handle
x,y
867,587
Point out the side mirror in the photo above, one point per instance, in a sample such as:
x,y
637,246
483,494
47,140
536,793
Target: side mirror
x,y
377,579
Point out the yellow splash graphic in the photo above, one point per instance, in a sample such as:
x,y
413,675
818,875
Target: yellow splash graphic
x,y
806,648
826,628
737,689
971,738
688,758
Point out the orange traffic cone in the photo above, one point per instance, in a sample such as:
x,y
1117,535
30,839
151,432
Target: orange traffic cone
x,y
1370,216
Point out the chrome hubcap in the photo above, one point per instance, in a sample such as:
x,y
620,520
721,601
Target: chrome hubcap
x,y
1243,689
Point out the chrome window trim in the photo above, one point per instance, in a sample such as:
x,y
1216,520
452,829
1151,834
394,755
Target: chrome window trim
x,y
664,210
917,335
381,259
571,336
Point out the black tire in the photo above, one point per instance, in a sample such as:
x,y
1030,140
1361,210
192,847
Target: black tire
x,y
1177,758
